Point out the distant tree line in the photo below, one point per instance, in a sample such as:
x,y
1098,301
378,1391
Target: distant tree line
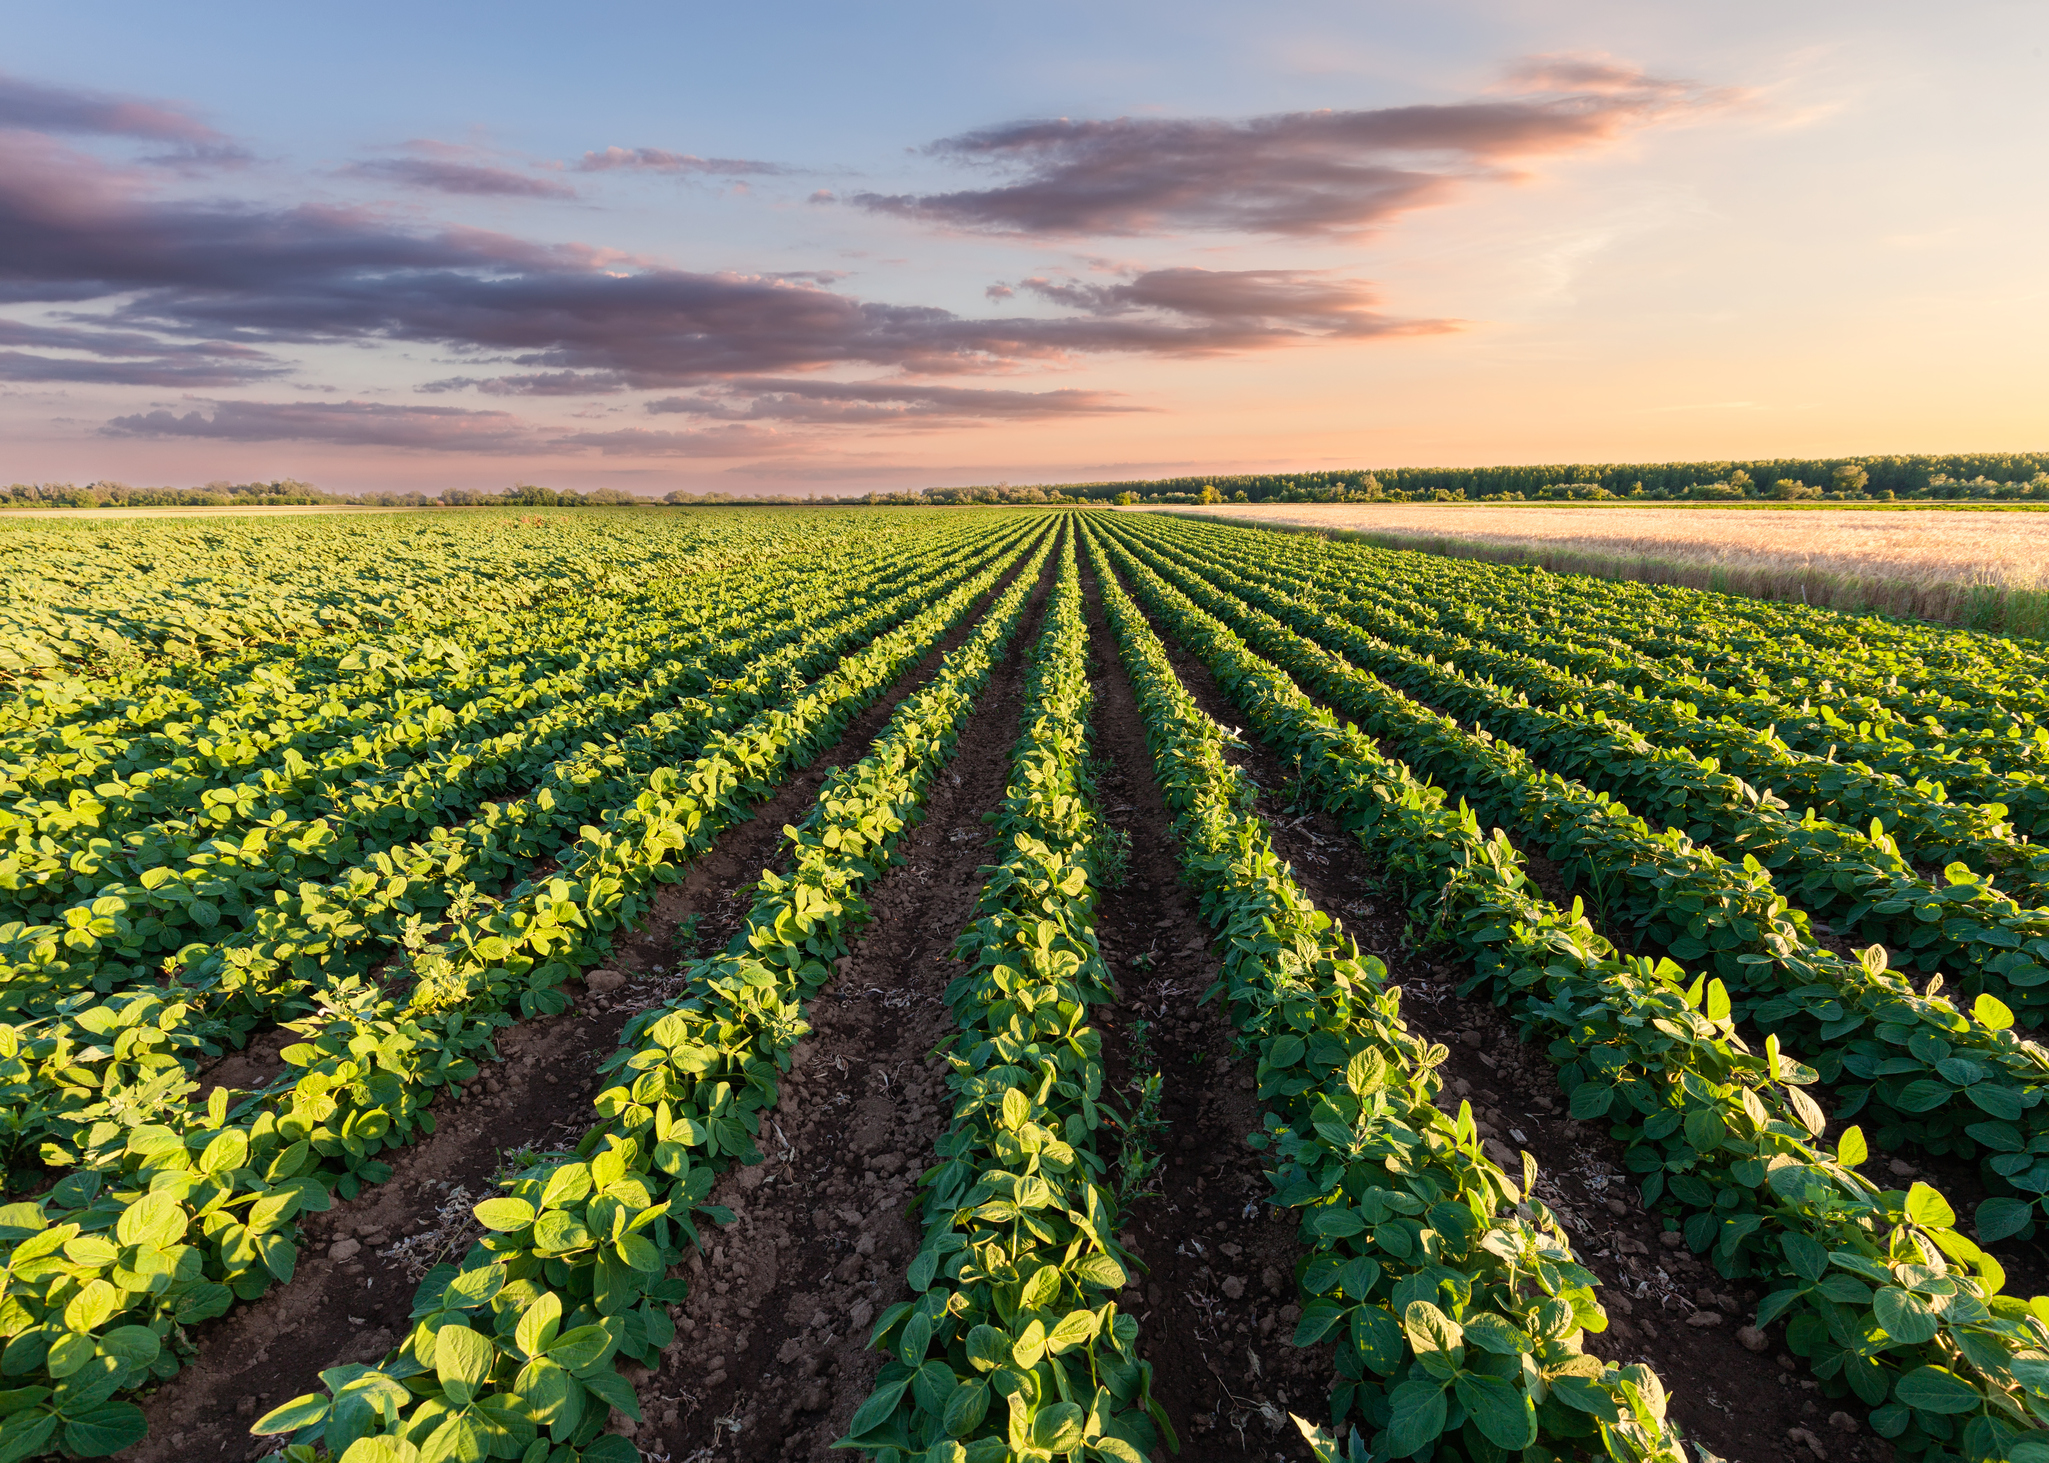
x,y
1967,475
219,494
1981,476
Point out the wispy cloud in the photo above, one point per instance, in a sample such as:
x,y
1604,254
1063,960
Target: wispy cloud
x,y
657,160
34,107
445,176
129,358
1293,173
339,423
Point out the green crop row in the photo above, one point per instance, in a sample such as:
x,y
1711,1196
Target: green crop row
x,y
1883,668
1862,881
1580,638
98,1066
171,885
217,1188
1878,1289
290,749
512,1355
1938,1077
1012,1346
1930,827
1452,1295
161,600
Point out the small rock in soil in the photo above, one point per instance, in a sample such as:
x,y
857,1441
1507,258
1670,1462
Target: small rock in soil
x,y
604,982
344,1249
1753,1339
1704,1319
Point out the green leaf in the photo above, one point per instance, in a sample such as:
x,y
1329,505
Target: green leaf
x,y
462,1361
582,1349
537,1324
1030,1346
1317,1319
1418,1417
638,1251
1927,1207
132,1346
1999,1218
1497,1334
1438,1340
1058,1428
155,1220
1099,1270
1042,1289
295,1414
1016,1108
1366,1072
103,1429
1586,1395
1905,1316
877,1409
1934,1389
1808,1259
1505,1415
26,1436
505,1214
1851,1148
1989,1011
965,1408
988,1348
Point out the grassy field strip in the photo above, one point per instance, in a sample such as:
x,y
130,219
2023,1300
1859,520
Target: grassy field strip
x,y
167,896
1965,926
520,1340
1920,812
1722,1136
200,1206
1452,1295
1014,1281
1967,568
1937,1078
2023,791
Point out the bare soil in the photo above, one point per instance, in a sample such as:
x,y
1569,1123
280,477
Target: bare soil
x,y
1216,1302
1666,1307
771,1358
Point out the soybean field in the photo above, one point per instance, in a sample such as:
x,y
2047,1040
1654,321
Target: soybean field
x,y
961,985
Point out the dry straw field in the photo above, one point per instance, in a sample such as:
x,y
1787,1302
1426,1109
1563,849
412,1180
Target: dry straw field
x,y
1987,569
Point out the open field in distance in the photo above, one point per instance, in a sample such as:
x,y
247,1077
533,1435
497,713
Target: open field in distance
x,y
1987,570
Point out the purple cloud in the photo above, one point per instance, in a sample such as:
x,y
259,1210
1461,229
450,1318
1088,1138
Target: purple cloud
x,y
1294,173
471,179
37,108
573,319
727,441
339,423
137,359
655,160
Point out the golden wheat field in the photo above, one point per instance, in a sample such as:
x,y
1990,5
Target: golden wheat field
x,y
1985,568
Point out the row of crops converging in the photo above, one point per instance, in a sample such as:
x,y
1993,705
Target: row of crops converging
x,y
1762,885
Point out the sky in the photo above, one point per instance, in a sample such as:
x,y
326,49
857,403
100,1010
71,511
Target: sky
x,y
829,248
